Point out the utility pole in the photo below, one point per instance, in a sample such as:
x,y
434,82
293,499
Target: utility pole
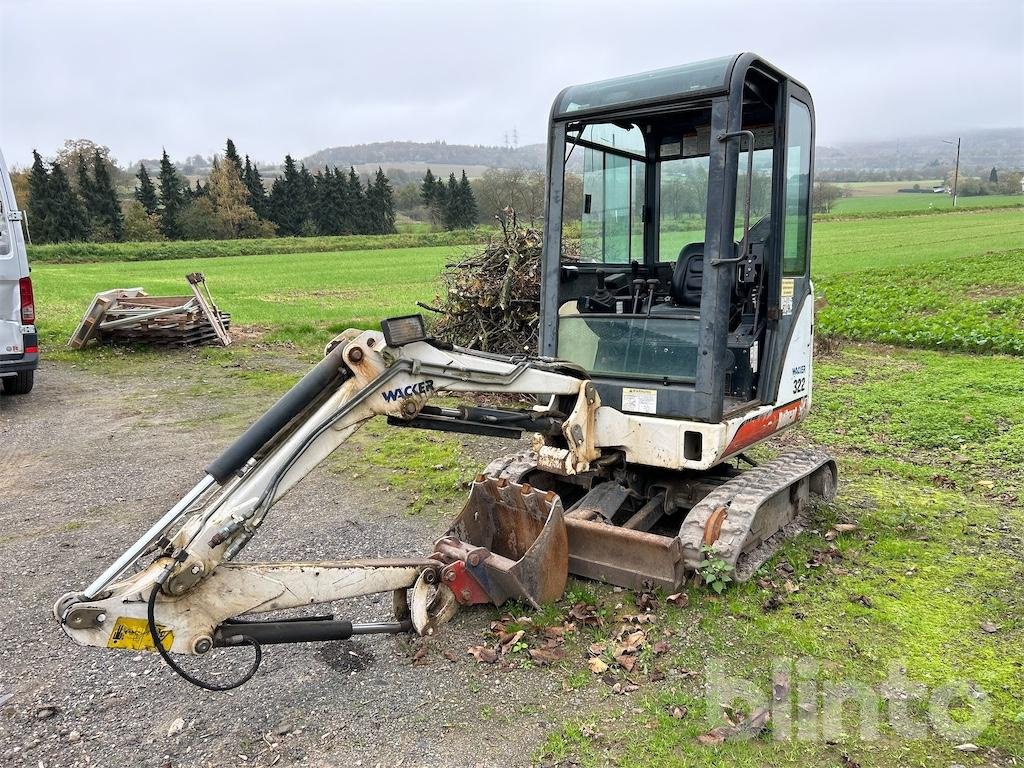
x,y
956,168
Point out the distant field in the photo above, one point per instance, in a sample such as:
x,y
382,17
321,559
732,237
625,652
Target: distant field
x,y
869,188
924,201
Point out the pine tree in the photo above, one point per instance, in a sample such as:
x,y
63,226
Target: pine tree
x,y
171,198
40,217
87,193
357,204
287,204
380,205
993,176
257,193
307,198
467,203
108,218
452,205
428,189
230,153
68,214
145,193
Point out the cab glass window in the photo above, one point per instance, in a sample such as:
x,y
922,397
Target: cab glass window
x,y
798,188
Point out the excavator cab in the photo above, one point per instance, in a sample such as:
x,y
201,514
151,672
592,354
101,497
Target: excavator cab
x,y
676,273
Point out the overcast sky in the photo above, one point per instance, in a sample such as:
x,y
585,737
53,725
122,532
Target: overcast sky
x,y
299,75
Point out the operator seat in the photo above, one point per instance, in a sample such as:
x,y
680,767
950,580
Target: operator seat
x,y
687,281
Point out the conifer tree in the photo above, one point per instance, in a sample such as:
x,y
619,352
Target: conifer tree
x,y
467,203
40,218
380,205
230,153
145,192
428,189
68,214
106,208
357,203
451,203
171,198
287,203
87,193
257,193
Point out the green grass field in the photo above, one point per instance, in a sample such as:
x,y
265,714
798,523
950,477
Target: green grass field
x,y
859,205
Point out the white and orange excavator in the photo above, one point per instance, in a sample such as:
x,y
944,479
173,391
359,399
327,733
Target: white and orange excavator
x,y
679,334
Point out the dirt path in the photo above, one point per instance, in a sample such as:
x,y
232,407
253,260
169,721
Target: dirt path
x,y
88,461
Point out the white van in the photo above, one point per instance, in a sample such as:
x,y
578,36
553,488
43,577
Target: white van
x,y
19,344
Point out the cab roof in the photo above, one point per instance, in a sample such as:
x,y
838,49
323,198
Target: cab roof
x,y
698,79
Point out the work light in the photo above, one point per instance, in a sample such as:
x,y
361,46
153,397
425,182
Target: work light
x,y
403,330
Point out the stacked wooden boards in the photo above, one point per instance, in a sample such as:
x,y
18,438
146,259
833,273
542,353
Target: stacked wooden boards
x,y
129,316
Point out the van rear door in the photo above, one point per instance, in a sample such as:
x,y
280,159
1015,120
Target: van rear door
x,y
13,267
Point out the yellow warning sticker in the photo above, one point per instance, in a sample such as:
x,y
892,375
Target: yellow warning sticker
x,y
788,284
133,635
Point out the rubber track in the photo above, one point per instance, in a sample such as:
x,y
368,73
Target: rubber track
x,y
744,496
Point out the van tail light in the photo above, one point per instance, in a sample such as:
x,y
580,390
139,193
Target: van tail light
x,y
28,304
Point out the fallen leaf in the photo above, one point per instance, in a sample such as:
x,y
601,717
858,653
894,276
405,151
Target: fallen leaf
x,y
678,712
715,736
626,661
597,666
863,600
968,747
421,653
659,648
844,527
679,599
177,726
450,655
555,633
986,484
989,627
547,655
483,654
508,643
790,587
596,649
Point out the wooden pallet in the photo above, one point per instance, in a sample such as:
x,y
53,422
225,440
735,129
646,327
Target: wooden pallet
x,y
129,316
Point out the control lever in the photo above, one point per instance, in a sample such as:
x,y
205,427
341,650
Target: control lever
x,y
638,288
652,287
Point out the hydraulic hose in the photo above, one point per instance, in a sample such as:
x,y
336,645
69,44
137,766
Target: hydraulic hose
x,y
158,644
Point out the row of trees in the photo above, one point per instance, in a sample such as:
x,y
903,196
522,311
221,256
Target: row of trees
x,y
58,211
233,203
452,205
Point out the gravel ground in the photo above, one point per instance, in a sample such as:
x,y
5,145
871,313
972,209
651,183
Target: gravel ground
x,y
88,461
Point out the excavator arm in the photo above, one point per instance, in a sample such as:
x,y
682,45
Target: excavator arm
x,y
190,596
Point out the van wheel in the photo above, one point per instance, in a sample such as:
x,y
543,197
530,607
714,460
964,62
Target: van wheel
x,y
19,384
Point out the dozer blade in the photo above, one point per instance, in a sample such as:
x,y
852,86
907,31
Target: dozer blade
x,y
508,543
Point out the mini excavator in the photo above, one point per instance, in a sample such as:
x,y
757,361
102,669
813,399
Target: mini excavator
x,y
676,331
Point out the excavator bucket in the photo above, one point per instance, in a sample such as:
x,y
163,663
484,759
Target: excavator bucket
x,y
508,543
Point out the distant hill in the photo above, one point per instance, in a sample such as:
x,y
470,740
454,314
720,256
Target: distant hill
x,y
1002,148
420,154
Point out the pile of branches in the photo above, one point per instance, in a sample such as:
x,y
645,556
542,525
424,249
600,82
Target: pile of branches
x,y
492,298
